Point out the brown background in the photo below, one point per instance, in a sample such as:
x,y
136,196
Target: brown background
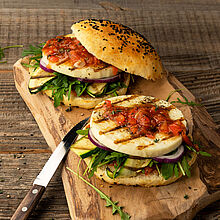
x,y
185,34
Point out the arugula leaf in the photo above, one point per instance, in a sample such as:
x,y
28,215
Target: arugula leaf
x,y
109,202
186,167
60,86
101,157
98,159
176,170
203,153
158,170
186,102
83,132
36,65
167,170
181,168
80,88
171,93
2,54
33,50
120,164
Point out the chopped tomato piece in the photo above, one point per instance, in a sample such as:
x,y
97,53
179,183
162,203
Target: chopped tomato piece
x,y
53,59
196,147
164,127
176,128
148,170
120,119
115,70
108,103
67,48
186,139
150,135
132,121
159,118
134,129
144,121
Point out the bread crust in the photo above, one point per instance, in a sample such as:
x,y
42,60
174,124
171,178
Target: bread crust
x,y
119,46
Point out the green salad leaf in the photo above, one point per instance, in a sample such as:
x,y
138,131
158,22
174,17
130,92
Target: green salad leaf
x,y
167,170
83,132
109,202
33,50
2,53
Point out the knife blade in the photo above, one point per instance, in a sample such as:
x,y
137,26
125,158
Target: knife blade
x,y
40,183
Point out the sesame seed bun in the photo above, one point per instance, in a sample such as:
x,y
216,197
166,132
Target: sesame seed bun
x,y
119,46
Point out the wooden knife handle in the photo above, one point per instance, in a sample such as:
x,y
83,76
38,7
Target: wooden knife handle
x,y
28,203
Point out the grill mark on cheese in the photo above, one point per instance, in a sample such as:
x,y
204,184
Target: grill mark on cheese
x,y
101,120
113,129
141,147
125,99
119,101
39,77
101,68
140,104
62,61
127,139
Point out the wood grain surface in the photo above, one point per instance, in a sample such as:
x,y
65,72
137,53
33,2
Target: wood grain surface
x,y
168,202
185,33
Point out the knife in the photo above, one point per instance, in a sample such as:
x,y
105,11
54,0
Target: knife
x,y
40,183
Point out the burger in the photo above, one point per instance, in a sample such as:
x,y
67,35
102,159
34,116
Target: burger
x,y
92,64
136,140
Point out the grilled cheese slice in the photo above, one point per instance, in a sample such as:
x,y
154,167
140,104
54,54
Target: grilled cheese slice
x,y
120,139
89,72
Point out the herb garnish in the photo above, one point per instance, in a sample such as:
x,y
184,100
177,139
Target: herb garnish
x,y
156,140
109,202
33,50
101,157
2,54
36,52
203,153
186,102
186,196
83,132
171,93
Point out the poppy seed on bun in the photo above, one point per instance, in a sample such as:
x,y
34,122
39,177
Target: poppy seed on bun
x,y
119,46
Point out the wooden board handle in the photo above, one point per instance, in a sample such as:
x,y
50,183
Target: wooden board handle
x,y
28,203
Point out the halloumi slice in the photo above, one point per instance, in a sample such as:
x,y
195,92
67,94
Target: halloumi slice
x,y
120,139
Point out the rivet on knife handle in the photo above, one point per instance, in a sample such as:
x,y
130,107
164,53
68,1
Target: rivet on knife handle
x,y
29,202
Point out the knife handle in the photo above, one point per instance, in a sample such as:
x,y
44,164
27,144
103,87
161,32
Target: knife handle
x,y
28,203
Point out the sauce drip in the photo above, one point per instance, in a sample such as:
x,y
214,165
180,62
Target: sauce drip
x,y
144,120
62,49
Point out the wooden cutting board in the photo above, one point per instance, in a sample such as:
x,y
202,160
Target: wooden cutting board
x,y
165,202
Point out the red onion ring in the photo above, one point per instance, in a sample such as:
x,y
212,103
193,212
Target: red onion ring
x,y
102,80
171,158
43,67
96,142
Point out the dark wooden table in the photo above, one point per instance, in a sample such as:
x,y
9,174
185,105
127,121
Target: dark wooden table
x,y
185,33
